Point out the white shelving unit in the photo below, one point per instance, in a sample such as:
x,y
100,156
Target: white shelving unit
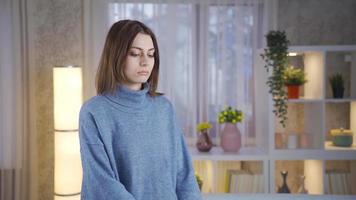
x,y
315,110
317,62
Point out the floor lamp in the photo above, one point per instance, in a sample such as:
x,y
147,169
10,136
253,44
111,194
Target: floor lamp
x,y
67,85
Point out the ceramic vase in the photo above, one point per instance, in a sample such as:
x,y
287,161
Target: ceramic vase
x,y
204,143
292,141
278,140
304,141
200,184
302,189
284,188
230,138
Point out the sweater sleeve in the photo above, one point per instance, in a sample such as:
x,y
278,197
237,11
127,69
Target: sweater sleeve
x,y
187,186
99,181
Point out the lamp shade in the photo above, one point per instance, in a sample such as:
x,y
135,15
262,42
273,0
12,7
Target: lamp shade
x,y
67,85
67,167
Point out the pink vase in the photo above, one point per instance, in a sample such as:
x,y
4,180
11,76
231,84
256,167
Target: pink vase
x,y
230,138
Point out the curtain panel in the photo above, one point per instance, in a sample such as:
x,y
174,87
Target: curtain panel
x,y
12,102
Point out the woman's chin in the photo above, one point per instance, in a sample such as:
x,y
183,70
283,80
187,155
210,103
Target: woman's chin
x,y
141,80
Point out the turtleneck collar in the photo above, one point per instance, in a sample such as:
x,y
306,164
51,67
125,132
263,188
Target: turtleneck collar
x,y
129,98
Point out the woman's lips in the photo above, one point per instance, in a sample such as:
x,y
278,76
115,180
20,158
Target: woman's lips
x,y
143,73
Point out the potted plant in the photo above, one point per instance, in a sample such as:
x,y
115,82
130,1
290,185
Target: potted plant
x,y
230,135
294,78
204,143
199,181
337,85
276,58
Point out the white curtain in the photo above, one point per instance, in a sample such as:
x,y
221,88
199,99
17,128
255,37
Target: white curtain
x,y
11,102
206,51
235,33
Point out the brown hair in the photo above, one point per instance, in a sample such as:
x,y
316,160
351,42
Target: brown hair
x,y
110,72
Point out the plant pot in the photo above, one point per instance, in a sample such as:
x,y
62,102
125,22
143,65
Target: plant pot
x,y
338,93
204,143
293,91
230,138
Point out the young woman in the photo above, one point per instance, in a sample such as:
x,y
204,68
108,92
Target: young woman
x,y
131,146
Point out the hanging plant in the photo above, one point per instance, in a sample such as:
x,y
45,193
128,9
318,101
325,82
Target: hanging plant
x,y
276,58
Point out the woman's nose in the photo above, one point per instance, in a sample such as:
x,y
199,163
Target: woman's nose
x,y
143,60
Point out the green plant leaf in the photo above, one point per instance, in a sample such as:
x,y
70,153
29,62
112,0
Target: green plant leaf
x,y
276,59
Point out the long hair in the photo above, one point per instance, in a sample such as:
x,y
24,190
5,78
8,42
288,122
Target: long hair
x,y
110,72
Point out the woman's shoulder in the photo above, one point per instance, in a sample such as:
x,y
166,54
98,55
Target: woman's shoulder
x,y
163,101
93,104
164,105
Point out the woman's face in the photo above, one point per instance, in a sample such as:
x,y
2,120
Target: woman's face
x,y
139,62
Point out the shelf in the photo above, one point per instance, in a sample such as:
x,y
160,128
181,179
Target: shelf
x,y
310,119
330,100
330,146
217,153
346,100
305,100
304,154
322,48
224,176
312,170
303,120
340,177
339,114
343,63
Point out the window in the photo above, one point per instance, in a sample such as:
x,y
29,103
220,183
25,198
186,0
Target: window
x,y
207,53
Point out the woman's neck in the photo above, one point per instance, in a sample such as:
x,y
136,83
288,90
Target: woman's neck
x,y
133,86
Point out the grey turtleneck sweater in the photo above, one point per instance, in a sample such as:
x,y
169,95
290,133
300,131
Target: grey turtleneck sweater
x,y
132,149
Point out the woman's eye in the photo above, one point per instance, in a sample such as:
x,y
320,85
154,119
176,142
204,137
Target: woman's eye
x,y
134,54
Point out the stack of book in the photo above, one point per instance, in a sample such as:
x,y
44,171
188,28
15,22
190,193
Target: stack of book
x,y
337,182
243,181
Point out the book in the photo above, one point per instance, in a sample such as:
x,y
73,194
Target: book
x,y
337,182
242,181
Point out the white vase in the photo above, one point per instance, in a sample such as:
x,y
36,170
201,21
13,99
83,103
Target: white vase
x,y
292,141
